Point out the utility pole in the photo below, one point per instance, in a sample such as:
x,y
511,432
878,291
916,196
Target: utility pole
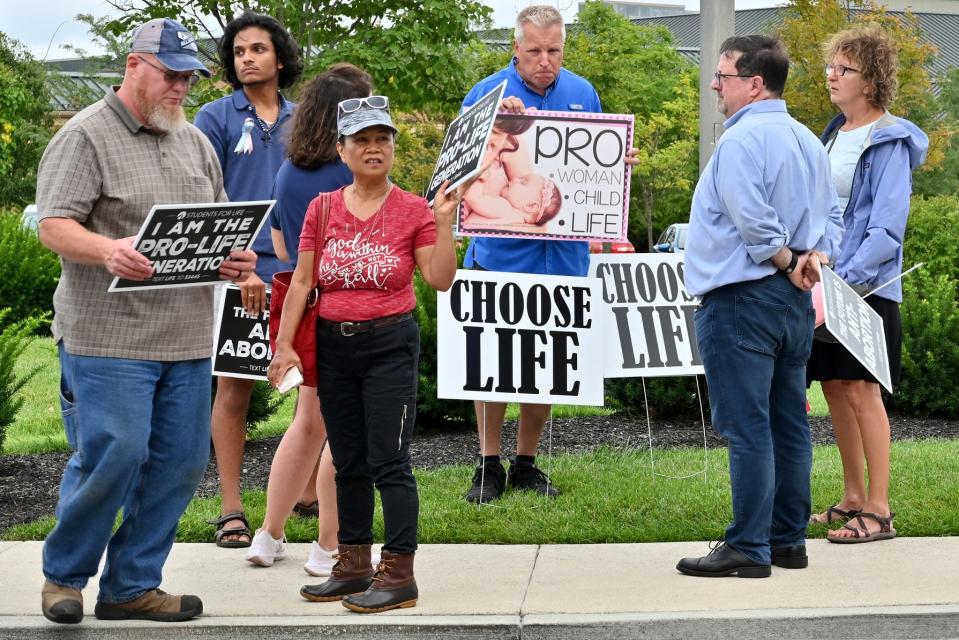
x,y
716,23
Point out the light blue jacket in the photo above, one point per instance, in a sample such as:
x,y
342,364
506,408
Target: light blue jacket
x,y
875,218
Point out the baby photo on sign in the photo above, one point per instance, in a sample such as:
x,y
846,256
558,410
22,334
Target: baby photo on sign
x,y
552,175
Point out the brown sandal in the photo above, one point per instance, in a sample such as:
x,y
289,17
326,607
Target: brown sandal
x,y
233,531
861,533
841,515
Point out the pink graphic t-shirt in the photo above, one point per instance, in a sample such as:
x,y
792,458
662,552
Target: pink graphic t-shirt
x,y
366,270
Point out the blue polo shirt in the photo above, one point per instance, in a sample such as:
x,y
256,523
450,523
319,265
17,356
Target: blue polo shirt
x,y
247,176
569,92
293,191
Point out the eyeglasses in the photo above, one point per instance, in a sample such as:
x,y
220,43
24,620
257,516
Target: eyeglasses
x,y
172,77
373,102
719,76
839,69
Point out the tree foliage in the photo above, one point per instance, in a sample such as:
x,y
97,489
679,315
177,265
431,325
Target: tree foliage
x,y
809,24
414,49
638,70
25,121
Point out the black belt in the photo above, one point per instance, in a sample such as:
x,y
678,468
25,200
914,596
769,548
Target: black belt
x,y
348,329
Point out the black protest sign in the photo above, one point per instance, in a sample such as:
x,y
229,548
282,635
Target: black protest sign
x,y
465,143
649,328
188,243
241,342
552,175
856,325
510,337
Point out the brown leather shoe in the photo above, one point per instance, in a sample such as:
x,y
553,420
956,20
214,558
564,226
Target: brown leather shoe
x,y
62,605
351,574
393,586
154,605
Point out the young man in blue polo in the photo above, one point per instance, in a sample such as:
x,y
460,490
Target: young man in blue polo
x,y
259,58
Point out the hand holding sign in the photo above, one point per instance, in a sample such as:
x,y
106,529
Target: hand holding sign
x,y
253,292
239,266
126,262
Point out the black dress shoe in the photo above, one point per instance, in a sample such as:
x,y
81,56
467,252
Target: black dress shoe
x,y
790,557
723,561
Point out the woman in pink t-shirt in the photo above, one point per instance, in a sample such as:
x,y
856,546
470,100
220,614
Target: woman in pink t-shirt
x,y
368,349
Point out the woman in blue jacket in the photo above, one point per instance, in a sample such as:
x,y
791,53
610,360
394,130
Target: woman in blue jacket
x,y
873,155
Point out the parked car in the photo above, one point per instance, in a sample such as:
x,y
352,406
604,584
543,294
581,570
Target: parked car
x,y
673,239
624,246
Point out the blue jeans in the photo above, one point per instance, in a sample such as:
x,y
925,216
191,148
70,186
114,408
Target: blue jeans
x,y
755,338
140,432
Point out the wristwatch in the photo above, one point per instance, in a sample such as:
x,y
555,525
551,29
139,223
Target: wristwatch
x,y
792,262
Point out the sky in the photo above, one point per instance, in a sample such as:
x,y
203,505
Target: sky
x,y
45,26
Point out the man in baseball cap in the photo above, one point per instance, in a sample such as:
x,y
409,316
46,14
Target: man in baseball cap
x,y
172,44
135,384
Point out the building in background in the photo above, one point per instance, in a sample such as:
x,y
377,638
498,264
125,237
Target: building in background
x,y
637,9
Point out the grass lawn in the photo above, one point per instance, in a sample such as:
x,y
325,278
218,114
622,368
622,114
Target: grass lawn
x,y
610,495
38,428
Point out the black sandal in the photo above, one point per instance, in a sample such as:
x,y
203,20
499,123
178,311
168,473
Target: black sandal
x,y
841,515
861,534
233,531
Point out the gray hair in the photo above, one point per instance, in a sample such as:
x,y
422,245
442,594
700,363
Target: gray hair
x,y
538,15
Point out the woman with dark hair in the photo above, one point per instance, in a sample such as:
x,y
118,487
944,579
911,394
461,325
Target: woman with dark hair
x,y
873,155
246,130
371,235
313,167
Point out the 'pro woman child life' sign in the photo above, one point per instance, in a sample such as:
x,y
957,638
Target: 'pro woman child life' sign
x,y
513,337
552,175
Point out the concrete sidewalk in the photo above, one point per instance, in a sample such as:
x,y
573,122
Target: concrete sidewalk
x,y
904,588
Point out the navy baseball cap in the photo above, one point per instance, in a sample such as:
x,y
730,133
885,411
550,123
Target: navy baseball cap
x,y
170,42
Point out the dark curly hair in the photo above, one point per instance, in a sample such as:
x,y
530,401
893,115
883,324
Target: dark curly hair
x,y
287,50
312,134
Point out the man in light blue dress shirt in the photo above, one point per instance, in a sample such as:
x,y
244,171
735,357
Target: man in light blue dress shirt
x,y
764,205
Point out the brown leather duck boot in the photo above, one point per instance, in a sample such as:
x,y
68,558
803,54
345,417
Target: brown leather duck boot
x,y
352,573
393,586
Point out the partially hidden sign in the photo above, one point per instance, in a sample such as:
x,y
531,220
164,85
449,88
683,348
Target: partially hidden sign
x,y
464,145
647,314
856,325
241,342
512,337
552,175
187,243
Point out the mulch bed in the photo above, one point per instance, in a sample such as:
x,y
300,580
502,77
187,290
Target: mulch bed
x,y
29,484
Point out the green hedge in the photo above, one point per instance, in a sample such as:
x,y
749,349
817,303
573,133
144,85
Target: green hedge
x,y
930,310
666,397
434,412
15,335
30,272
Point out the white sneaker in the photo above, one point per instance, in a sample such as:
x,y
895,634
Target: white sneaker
x,y
320,563
265,549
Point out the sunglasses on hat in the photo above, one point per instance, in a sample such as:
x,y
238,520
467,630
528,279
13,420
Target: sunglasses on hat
x,y
373,102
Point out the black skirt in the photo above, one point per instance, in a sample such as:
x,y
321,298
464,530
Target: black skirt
x,y
834,362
